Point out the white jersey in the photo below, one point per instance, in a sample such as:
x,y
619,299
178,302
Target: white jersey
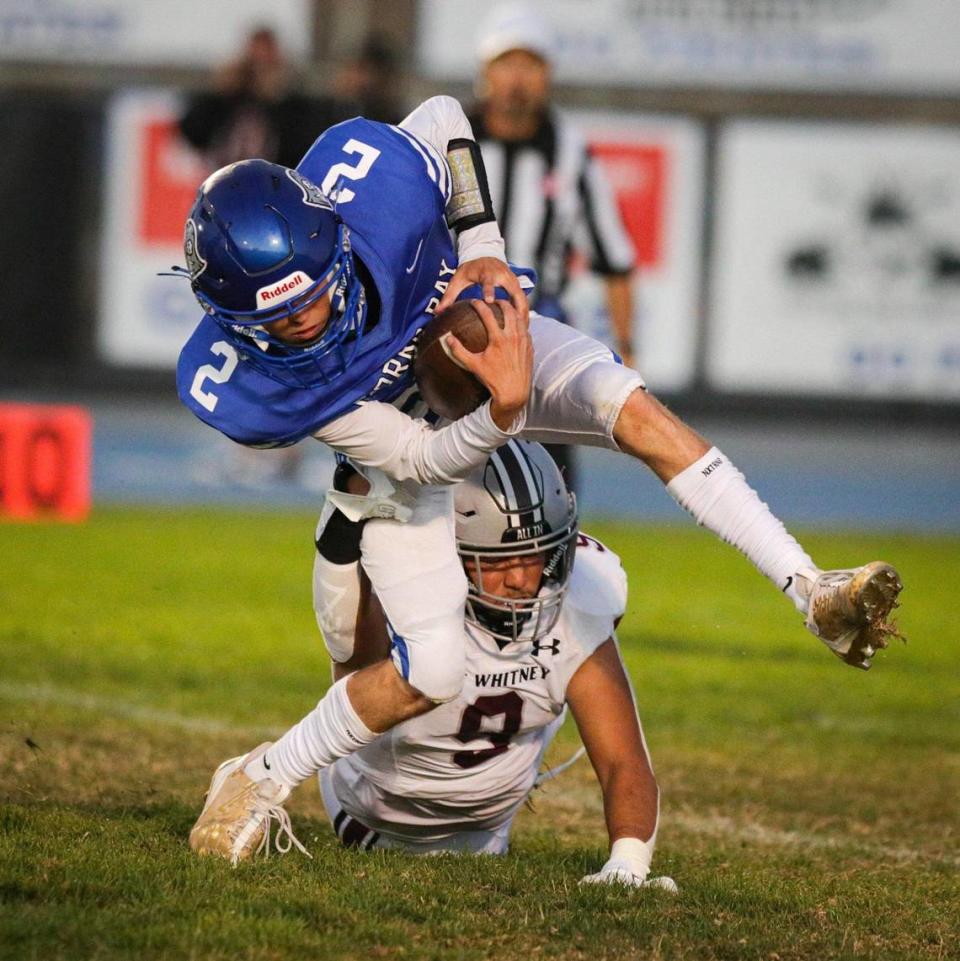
x,y
468,764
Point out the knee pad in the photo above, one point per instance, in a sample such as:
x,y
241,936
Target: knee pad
x,y
436,670
603,387
336,576
336,599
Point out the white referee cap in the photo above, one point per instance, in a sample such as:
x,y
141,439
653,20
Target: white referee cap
x,y
515,26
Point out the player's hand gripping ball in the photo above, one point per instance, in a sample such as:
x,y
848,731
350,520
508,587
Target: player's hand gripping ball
x,y
449,388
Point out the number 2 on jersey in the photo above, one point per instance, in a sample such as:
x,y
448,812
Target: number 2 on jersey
x,y
510,705
218,375
357,171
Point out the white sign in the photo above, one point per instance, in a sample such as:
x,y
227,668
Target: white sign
x,y
141,32
837,260
906,45
151,180
655,165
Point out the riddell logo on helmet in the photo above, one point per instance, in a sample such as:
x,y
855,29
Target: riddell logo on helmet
x,y
283,291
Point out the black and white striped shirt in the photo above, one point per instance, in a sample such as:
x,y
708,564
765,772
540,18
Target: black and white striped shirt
x,y
551,196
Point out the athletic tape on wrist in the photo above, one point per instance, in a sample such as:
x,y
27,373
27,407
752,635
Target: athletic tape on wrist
x,y
634,852
470,203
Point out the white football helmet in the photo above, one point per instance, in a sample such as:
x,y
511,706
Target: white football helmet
x,y
516,505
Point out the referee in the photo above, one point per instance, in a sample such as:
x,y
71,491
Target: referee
x,y
550,195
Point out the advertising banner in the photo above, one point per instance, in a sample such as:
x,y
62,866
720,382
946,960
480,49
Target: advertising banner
x,y
836,266
902,45
655,165
151,180
142,32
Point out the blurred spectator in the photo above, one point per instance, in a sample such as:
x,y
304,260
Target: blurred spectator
x,y
255,109
368,84
549,194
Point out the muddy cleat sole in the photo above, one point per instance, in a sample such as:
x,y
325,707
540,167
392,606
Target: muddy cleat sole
x,y
235,820
850,610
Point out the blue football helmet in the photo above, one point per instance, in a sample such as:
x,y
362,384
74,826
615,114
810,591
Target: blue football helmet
x,y
262,243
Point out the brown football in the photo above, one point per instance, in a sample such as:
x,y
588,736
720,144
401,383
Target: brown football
x,y
448,388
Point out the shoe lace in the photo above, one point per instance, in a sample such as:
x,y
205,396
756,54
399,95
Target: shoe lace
x,y
284,838
831,580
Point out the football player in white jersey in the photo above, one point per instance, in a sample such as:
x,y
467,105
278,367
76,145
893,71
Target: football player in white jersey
x,y
542,638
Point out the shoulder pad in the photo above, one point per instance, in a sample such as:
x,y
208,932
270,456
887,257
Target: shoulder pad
x,y
599,581
597,597
215,384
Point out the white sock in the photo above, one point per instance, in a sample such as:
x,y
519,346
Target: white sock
x,y
330,731
719,498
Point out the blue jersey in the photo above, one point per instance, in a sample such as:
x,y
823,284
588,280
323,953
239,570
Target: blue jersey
x,y
393,200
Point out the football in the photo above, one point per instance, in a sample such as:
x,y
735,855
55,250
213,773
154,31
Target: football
x,y
449,389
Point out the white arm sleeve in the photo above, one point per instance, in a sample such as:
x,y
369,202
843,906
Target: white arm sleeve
x,y
378,435
438,121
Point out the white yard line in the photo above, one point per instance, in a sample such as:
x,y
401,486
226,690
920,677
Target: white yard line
x,y
718,825
116,707
708,825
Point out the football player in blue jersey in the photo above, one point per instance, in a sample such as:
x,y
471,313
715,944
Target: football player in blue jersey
x,y
315,283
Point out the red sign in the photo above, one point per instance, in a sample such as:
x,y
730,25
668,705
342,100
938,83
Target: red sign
x,y
638,175
44,462
171,174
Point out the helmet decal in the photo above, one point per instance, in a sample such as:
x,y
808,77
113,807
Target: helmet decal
x,y
284,290
520,494
312,194
196,265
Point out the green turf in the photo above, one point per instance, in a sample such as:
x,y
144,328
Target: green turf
x,y
809,810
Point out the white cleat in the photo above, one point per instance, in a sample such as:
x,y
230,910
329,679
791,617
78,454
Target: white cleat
x,y
849,610
235,820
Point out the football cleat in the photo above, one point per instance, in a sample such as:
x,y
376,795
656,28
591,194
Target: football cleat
x,y
662,883
849,610
235,820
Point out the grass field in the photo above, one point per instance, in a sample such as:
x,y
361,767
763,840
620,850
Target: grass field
x,y
808,810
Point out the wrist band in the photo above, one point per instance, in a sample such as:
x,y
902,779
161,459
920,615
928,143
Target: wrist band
x,y
470,204
634,851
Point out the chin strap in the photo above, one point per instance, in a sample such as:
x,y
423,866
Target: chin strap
x,y
175,271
